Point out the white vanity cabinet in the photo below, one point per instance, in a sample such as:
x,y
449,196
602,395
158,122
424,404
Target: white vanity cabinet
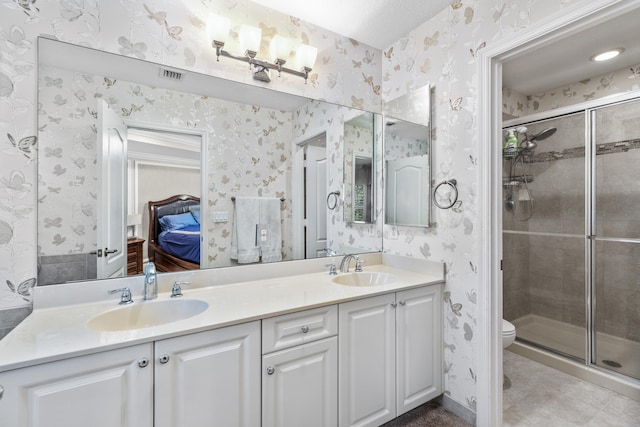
x,y
390,355
108,389
202,379
209,378
300,382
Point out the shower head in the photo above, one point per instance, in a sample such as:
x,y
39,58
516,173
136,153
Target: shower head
x,y
529,144
543,135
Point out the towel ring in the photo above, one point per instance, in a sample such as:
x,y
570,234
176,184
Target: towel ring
x,y
333,199
449,198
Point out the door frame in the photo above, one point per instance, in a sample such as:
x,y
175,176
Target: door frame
x,y
297,191
489,332
204,156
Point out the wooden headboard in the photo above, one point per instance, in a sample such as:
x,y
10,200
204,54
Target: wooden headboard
x,y
170,206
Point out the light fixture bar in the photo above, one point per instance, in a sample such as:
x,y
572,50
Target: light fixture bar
x,y
259,64
249,37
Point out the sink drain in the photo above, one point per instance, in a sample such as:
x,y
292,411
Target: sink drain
x,y
612,363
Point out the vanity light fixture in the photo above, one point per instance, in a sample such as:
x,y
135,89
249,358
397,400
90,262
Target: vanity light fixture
x,y
218,28
605,56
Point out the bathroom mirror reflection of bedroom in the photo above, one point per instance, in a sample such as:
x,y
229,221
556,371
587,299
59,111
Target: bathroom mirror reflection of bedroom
x,y
186,146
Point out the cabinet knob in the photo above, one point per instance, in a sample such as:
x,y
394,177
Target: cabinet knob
x,y
143,363
394,304
270,370
304,329
164,358
402,302
1,391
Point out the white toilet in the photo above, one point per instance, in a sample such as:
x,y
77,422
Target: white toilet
x,y
508,333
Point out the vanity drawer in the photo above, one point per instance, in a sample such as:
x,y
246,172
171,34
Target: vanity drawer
x,y
297,328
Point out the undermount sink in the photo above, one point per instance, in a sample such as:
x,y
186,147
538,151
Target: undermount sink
x,y
146,314
364,279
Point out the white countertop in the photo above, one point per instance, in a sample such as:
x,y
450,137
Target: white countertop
x,y
60,332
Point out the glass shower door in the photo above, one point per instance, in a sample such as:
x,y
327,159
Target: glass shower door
x,y
544,237
615,249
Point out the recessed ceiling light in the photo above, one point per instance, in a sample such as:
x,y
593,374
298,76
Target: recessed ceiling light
x,y
605,56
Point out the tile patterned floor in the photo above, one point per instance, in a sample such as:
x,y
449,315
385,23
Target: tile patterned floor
x,y
537,395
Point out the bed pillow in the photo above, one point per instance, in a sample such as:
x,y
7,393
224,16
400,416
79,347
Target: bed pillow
x,y
195,211
175,222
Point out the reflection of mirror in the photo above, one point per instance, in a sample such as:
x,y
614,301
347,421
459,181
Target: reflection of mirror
x,y
407,139
181,140
359,169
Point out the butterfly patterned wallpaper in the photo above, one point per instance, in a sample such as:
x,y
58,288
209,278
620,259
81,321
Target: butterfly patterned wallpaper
x,y
518,105
171,33
331,119
442,52
248,154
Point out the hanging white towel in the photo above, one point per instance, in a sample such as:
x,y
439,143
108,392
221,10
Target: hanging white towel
x,y
270,230
244,246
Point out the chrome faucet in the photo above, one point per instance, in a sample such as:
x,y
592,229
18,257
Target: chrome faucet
x,y
344,264
150,282
329,252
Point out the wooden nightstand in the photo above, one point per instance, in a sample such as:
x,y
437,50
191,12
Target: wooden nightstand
x,y
134,256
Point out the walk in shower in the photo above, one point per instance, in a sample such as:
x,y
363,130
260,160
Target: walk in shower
x,y
571,235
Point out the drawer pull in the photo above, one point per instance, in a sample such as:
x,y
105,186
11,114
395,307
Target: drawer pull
x,y
304,329
270,370
143,363
164,358
1,391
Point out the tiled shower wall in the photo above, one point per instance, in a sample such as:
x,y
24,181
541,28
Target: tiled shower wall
x,y
545,274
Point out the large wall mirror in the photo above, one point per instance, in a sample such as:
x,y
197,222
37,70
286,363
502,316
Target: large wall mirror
x,y
129,150
407,154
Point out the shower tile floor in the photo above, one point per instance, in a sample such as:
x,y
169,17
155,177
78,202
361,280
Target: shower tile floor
x,y
537,395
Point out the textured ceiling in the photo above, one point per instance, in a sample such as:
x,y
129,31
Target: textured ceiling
x,y
378,23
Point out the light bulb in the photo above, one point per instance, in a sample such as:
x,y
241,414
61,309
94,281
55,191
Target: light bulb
x,y
279,48
249,38
218,28
306,56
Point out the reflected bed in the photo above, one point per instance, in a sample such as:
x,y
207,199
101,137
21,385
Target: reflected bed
x,y
174,233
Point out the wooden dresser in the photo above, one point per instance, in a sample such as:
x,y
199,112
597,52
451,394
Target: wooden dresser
x,y
134,256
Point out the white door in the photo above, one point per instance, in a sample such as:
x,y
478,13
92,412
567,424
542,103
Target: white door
x,y
408,189
112,198
315,199
300,386
109,389
419,347
367,343
209,379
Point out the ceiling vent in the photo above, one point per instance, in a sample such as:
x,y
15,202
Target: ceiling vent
x,y
171,74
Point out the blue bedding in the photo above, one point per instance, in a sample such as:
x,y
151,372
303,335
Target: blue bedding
x,y
183,243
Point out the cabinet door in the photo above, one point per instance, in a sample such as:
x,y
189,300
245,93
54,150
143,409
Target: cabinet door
x,y
367,361
209,378
300,386
419,347
109,389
